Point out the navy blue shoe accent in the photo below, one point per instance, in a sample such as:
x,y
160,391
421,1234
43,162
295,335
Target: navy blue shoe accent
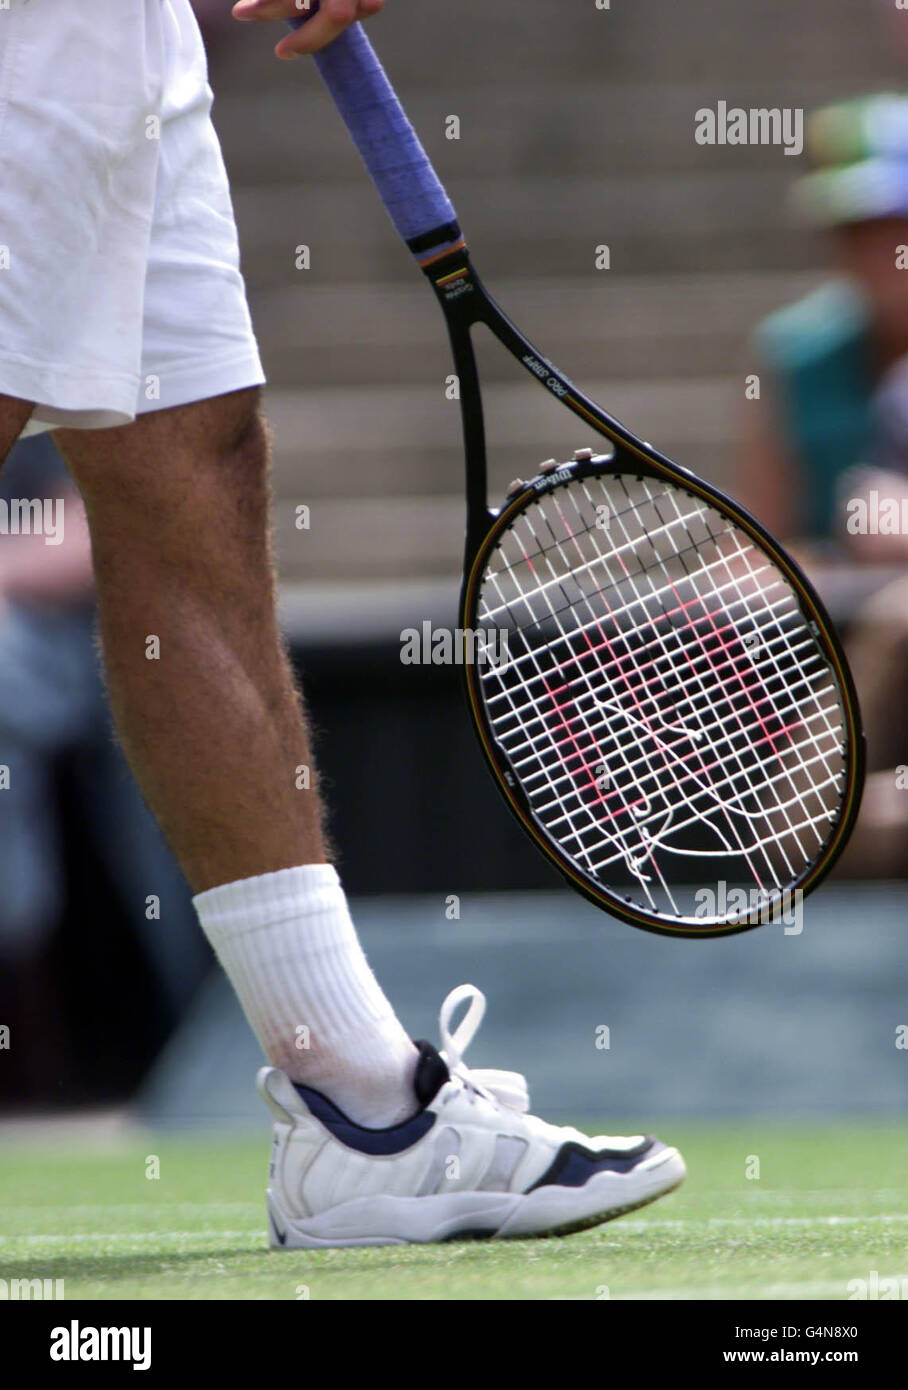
x,y
393,1140
430,1075
431,1072
574,1165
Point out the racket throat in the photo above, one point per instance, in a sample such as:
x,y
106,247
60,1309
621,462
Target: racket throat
x,y
479,518
458,292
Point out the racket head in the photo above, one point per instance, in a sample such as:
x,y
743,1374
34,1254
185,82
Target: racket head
x,y
666,708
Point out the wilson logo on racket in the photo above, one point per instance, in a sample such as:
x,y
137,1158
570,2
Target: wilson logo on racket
x,y
561,475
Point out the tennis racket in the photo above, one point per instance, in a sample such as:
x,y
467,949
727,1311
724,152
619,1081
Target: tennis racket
x,y
664,703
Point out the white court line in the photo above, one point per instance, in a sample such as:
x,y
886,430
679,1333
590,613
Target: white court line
x,y
828,1288
690,1223
706,1222
817,1289
824,1194
137,1206
259,1231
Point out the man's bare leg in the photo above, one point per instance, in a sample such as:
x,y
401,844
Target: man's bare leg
x,y
14,416
205,705
201,690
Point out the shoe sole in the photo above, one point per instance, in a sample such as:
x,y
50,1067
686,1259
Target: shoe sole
x,y
544,1212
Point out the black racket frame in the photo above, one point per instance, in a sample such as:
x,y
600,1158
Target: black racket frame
x,y
465,303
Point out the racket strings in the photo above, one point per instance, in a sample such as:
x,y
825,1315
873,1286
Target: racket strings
x,y
639,806
577,572
663,698
502,609
774,654
664,762
749,682
685,699
684,606
602,731
669,763
817,765
519,704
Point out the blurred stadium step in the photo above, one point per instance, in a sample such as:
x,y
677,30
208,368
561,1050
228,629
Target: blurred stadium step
x,y
816,40
538,225
380,468
617,327
614,125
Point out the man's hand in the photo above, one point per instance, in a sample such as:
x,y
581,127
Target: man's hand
x,y
332,18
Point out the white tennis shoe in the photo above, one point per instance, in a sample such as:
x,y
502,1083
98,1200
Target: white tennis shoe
x,y
469,1163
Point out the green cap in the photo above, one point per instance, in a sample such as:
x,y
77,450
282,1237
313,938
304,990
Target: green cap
x,y
859,150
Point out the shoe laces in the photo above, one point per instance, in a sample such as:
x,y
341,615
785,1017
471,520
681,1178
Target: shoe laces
x,y
502,1088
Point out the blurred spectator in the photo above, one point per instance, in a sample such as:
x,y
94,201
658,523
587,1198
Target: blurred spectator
x,y
875,499
53,713
822,359
827,442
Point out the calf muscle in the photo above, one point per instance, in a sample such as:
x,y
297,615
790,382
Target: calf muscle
x,y
200,686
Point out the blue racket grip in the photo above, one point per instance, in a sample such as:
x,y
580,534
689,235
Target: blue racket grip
x,y
389,146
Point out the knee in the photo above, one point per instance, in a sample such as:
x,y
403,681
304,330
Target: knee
x,y
232,459
233,482
239,455
210,457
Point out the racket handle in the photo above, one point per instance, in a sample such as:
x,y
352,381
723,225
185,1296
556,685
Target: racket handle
x,y
390,148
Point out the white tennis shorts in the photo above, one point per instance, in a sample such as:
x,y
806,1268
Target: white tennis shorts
x,y
120,288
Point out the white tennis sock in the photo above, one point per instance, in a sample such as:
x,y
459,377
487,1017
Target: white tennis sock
x,y
291,953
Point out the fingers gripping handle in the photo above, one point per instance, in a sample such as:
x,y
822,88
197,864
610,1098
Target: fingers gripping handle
x,y
390,149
